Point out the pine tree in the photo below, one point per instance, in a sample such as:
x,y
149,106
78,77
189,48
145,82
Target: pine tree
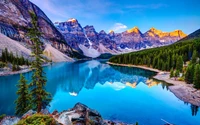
x,y
177,72
40,98
173,61
189,74
23,100
196,79
14,68
179,63
171,73
194,57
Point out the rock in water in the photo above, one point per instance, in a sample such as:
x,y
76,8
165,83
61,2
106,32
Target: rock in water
x,y
9,120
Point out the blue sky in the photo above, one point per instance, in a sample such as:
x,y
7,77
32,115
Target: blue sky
x,y
120,15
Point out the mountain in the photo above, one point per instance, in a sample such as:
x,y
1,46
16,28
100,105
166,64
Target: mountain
x,y
92,43
133,39
163,58
85,39
15,20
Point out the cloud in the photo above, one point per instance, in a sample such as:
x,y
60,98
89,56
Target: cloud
x,y
147,6
119,27
65,9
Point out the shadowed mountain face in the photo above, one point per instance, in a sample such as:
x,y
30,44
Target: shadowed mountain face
x,y
130,40
85,39
15,19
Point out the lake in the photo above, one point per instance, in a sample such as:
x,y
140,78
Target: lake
x,y
119,93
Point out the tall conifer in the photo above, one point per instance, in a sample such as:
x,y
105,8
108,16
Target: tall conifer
x,y
40,98
23,100
196,79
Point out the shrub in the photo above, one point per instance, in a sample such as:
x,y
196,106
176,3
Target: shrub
x,y
2,64
2,116
37,119
181,79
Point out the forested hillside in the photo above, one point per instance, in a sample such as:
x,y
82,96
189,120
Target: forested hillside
x,y
163,58
181,59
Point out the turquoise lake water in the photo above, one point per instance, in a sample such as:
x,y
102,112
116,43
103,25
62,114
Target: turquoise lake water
x,y
118,93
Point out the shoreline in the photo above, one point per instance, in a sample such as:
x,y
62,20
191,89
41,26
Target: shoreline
x,y
9,73
182,90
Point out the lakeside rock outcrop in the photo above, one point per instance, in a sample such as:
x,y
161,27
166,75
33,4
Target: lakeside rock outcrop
x,y
80,114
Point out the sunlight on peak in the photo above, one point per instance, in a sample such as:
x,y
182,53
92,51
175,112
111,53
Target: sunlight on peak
x,y
151,83
72,20
134,29
111,31
131,85
154,30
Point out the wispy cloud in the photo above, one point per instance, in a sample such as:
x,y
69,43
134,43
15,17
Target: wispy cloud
x,y
146,6
118,27
58,10
88,9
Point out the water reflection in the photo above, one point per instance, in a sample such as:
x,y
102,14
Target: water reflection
x,y
194,110
88,74
112,90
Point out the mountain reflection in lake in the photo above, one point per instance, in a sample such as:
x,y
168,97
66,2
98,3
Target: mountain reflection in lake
x,y
118,93
93,72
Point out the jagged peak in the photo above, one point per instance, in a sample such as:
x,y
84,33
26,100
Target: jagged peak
x,y
111,31
134,29
89,26
72,20
179,33
155,31
102,32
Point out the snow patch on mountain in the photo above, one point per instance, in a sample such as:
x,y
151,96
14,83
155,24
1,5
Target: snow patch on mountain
x,y
90,52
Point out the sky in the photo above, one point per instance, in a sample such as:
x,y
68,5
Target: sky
x,y
120,15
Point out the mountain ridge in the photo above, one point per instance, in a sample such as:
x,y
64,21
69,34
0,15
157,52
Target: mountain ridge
x,y
130,40
15,20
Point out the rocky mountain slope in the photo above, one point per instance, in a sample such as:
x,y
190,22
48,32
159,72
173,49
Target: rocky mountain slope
x,y
15,20
86,39
71,38
13,46
83,38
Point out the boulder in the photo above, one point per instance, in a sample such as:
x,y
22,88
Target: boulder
x,y
80,114
29,113
9,120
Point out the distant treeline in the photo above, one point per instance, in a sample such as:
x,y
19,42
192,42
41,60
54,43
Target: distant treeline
x,y
9,57
162,58
169,58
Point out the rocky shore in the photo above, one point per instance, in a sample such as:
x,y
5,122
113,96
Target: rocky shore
x,y
8,71
182,90
80,114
